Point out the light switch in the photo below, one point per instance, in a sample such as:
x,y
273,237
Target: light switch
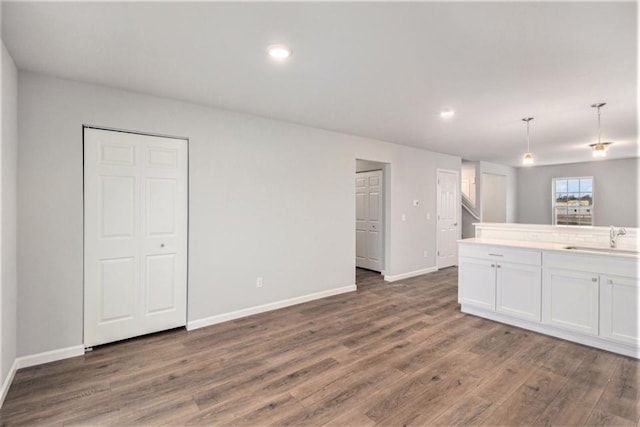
x,y
404,217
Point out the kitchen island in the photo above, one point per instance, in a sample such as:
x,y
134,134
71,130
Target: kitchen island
x,y
569,287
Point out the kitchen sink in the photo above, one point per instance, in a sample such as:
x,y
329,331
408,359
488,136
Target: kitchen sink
x,y
603,250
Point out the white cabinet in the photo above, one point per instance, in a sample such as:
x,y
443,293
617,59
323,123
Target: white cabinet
x,y
519,290
619,302
504,280
589,298
571,300
477,283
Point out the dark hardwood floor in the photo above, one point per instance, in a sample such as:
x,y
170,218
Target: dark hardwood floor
x,y
389,354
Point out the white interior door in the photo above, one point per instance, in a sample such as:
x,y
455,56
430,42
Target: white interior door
x,y
369,228
448,203
135,262
494,198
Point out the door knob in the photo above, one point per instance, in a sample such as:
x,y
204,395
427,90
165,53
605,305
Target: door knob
x,y
162,245
455,224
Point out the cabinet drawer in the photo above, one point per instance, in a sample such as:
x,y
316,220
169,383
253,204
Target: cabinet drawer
x,y
603,264
501,253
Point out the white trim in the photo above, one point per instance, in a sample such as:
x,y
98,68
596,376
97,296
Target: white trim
x,y
208,321
7,381
415,273
604,344
49,356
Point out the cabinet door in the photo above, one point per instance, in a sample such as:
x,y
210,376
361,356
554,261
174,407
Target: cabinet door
x,y
519,290
477,283
619,305
570,300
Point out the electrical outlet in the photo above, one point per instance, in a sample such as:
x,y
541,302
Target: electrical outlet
x,y
425,254
259,282
403,217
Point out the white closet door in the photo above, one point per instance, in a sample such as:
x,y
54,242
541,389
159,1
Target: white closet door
x,y
135,263
369,227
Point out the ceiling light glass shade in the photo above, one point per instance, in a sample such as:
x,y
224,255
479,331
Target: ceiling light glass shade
x,y
278,51
447,114
527,159
599,150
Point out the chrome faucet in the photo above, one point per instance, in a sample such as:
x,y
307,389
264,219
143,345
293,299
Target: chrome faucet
x,y
613,235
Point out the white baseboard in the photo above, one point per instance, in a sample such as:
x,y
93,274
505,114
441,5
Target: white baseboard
x,y
7,381
415,273
49,356
208,321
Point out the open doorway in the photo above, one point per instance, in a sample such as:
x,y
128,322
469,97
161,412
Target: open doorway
x,y
447,206
370,226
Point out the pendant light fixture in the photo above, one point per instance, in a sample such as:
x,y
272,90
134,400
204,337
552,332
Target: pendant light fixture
x,y
528,157
600,148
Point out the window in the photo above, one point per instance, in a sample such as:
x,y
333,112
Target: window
x,y
573,201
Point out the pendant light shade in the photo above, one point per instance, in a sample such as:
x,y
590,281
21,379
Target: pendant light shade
x,y
599,149
527,159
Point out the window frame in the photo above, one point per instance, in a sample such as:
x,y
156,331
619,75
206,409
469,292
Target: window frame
x,y
554,200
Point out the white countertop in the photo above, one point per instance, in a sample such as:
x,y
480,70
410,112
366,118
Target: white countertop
x,y
547,246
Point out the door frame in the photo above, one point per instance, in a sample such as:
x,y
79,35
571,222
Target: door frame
x,y
458,211
184,138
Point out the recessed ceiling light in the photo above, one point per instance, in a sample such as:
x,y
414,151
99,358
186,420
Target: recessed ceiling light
x,y
447,114
279,51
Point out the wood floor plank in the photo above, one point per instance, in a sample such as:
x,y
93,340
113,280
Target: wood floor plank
x,y
621,397
464,412
397,353
528,401
599,418
582,392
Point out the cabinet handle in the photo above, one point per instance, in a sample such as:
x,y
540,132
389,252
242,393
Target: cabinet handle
x,y
609,281
498,265
594,279
493,265
495,254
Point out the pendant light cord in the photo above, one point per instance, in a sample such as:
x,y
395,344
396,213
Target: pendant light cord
x,y
598,106
527,119
599,129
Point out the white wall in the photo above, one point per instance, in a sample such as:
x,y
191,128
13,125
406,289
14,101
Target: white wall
x,y
615,191
8,210
267,198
